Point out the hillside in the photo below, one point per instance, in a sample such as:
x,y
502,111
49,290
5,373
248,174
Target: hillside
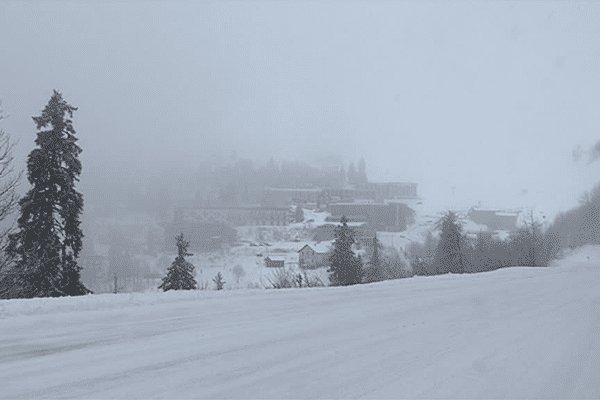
x,y
515,332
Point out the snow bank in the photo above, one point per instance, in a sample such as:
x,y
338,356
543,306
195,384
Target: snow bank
x,y
588,255
109,301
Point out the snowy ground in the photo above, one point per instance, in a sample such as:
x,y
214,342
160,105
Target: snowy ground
x,y
512,333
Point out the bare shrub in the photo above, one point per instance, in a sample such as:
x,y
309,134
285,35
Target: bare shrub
x,y
203,285
284,278
239,272
313,280
9,198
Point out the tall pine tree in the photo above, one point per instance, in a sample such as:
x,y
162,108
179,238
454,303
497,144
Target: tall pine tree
x,y
361,175
49,239
345,267
450,254
180,275
376,270
352,175
299,214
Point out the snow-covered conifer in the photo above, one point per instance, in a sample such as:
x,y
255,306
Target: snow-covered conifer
x,y
180,275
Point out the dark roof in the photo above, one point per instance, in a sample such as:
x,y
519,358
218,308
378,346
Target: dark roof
x,y
306,245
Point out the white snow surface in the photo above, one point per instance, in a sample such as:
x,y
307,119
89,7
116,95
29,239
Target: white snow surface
x,y
512,333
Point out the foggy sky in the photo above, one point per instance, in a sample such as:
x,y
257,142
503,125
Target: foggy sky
x,y
487,97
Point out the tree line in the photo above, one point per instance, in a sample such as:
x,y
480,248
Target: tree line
x,y
454,252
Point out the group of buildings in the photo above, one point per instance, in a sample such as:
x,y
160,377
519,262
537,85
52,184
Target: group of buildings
x,y
376,192
316,255
373,207
236,216
365,205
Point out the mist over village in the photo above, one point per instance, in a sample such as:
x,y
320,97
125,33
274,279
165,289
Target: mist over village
x,y
293,200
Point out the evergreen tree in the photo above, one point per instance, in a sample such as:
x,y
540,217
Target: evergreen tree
x,y
345,267
422,255
361,175
49,239
352,175
376,270
449,256
527,243
218,280
482,253
342,177
180,275
299,215
120,262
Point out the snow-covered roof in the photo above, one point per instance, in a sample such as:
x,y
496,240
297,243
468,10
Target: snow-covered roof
x,y
284,190
275,258
350,224
322,247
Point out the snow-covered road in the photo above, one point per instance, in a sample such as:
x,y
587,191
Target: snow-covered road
x,y
516,333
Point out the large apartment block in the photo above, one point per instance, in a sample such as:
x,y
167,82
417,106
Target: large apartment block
x,y
393,190
391,217
237,216
378,192
281,197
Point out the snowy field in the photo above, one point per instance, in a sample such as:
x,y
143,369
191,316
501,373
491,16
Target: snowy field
x,y
512,333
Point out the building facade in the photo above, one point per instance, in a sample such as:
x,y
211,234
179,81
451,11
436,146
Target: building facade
x,y
237,216
274,263
281,197
337,194
326,232
394,190
309,258
388,217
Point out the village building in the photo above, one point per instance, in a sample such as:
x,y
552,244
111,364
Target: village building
x,y
393,190
236,216
382,217
274,262
281,197
313,256
326,232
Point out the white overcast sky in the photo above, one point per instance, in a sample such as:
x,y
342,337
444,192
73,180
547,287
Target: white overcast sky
x,y
488,97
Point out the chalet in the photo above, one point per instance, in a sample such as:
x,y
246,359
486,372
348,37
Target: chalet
x,y
270,263
311,258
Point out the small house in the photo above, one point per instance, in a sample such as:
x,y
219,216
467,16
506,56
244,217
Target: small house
x,y
271,263
309,258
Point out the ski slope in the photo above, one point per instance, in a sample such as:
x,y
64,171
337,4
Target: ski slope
x,y
512,333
